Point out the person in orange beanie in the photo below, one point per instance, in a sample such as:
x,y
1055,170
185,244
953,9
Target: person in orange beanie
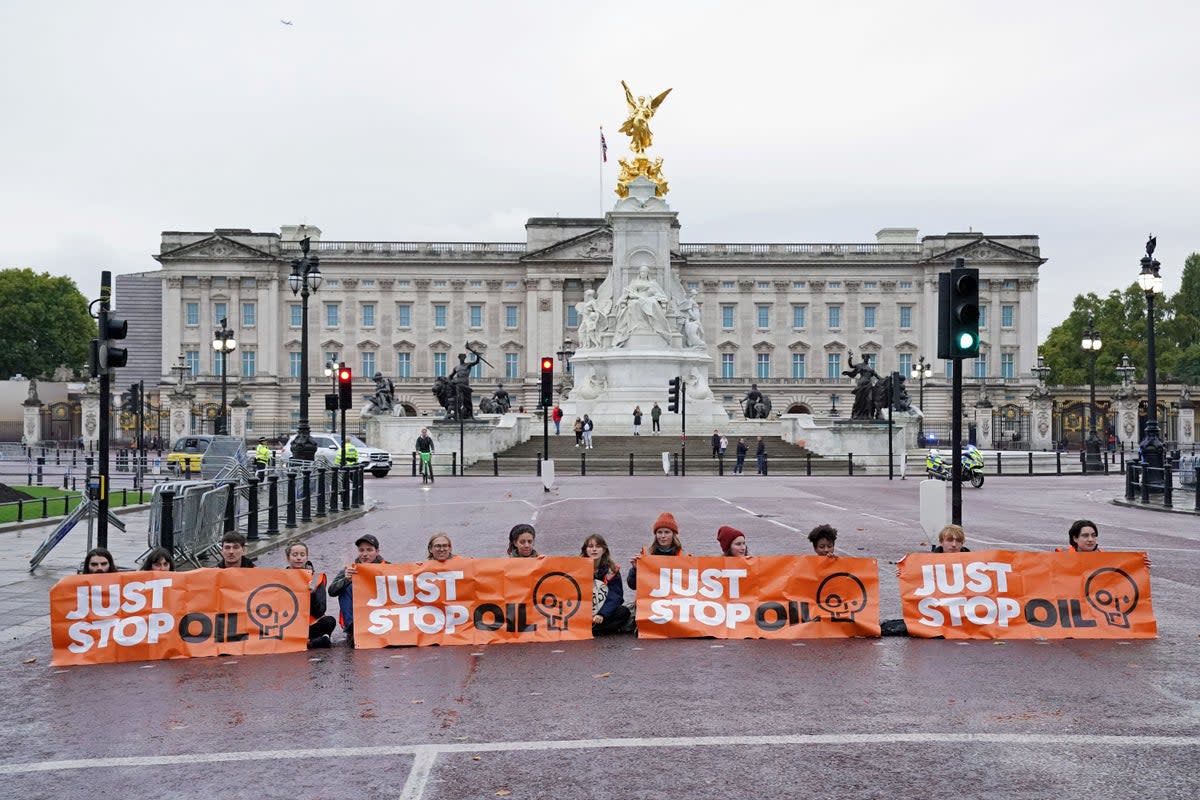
x,y
666,543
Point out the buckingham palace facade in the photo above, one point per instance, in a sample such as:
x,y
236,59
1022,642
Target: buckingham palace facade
x,y
783,315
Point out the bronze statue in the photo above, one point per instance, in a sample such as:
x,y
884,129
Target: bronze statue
x,y
498,403
755,405
637,124
383,400
864,388
460,383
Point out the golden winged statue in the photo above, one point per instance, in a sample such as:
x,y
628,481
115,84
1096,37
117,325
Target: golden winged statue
x,y
637,124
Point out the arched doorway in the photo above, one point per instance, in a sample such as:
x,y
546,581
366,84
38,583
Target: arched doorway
x,y
799,408
408,409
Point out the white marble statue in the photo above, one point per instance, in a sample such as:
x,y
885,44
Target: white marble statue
x,y
589,320
642,308
693,331
589,387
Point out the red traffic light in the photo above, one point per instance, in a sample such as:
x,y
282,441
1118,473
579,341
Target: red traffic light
x,y
547,364
344,375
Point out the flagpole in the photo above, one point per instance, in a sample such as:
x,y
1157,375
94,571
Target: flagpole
x,y
603,160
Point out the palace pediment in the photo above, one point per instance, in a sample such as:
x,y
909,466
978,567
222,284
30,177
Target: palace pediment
x,y
595,245
217,247
985,250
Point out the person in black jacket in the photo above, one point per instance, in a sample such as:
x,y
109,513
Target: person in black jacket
x,y
950,540
233,551
320,625
342,586
741,457
609,614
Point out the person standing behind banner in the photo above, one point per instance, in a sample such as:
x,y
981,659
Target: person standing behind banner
x,y
98,561
342,586
233,552
666,543
158,560
320,625
732,541
439,548
520,541
824,540
741,457
951,540
609,614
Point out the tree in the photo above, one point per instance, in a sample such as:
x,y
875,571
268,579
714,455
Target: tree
x,y
46,324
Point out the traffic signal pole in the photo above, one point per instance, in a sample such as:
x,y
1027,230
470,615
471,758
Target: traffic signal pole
x,y
958,340
105,407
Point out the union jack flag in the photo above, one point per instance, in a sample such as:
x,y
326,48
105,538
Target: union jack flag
x,y
603,147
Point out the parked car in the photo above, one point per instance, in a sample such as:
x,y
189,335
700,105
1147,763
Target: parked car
x,y
186,454
378,462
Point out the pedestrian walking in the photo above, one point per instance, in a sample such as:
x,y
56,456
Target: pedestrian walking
x,y
637,420
556,415
724,445
578,428
655,413
741,457
760,453
588,425
716,443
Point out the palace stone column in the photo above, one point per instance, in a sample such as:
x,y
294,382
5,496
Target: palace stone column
x,y
1041,429
237,421
32,412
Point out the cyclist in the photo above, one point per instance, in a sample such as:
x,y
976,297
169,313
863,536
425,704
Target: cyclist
x,y
425,450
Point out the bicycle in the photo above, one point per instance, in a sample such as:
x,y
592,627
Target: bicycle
x,y
426,466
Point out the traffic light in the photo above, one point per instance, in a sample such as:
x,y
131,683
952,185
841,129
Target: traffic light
x,y
673,395
104,355
133,403
958,312
546,396
345,388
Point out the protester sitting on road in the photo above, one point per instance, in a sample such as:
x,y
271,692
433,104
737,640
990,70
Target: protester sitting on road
x,y
609,614
320,625
520,541
159,560
733,541
98,561
951,540
233,551
439,547
666,543
1084,536
824,540
342,585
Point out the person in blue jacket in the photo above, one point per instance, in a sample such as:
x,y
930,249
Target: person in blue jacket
x,y
609,614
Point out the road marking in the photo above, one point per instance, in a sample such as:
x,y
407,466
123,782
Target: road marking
x,y
783,525
723,500
431,751
748,511
418,776
829,505
885,519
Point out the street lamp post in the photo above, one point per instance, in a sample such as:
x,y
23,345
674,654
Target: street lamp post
x,y
1091,343
564,358
224,343
304,280
331,368
1152,444
921,371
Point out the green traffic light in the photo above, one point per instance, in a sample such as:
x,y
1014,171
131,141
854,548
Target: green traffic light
x,y
966,340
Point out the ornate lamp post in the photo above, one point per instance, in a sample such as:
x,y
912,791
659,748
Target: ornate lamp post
x,y
922,370
331,368
304,280
564,358
1125,369
1152,444
224,343
1091,343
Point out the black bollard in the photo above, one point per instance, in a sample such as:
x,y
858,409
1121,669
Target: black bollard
x,y
272,505
252,511
306,502
230,508
166,533
346,488
291,500
333,489
320,491
41,462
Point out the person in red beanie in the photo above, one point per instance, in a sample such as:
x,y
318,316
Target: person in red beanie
x,y
666,543
732,541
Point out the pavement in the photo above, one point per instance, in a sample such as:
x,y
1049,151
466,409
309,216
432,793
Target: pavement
x,y
630,718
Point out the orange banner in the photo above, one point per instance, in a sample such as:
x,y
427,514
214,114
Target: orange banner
x,y
143,616
473,601
997,594
759,597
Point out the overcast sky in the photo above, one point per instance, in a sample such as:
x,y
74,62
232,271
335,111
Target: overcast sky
x,y
789,122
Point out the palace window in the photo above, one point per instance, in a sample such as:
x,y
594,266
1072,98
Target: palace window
x,y
368,316
798,365
726,365
192,313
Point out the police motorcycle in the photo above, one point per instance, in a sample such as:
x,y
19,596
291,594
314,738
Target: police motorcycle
x,y
972,466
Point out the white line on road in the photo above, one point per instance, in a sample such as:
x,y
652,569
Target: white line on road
x,y
885,519
430,751
748,511
418,776
829,505
782,525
